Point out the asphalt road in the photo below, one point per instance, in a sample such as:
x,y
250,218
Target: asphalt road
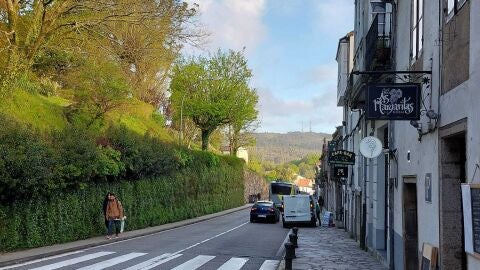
x,y
228,242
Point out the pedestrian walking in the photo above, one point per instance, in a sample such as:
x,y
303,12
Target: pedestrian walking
x,y
318,212
114,215
320,202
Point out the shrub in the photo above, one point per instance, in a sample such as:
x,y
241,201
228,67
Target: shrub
x,y
28,164
52,185
63,217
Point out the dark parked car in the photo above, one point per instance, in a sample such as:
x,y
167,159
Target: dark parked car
x,y
265,211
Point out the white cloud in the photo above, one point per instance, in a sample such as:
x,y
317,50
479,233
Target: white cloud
x,y
233,24
326,111
281,115
272,106
322,73
335,17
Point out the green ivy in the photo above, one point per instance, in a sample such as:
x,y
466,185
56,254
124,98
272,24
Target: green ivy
x,y
70,216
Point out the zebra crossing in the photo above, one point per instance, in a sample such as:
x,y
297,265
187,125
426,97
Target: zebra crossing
x,y
141,261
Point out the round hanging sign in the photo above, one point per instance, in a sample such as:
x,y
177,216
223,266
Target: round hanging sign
x,y
370,147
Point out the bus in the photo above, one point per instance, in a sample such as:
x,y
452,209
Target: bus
x,y
278,188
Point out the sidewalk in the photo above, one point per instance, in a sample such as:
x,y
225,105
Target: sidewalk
x,y
330,248
42,252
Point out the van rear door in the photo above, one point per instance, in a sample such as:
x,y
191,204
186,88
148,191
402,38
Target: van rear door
x,y
297,208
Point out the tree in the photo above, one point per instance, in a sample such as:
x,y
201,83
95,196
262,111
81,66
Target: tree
x,y
148,50
243,123
212,91
143,31
100,88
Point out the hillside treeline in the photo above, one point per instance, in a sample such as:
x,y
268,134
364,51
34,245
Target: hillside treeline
x,y
281,148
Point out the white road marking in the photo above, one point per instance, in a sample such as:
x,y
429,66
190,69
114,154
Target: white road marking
x,y
213,237
113,261
233,264
269,265
154,262
73,261
40,260
194,263
164,231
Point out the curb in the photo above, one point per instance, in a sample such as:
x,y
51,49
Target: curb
x,y
281,265
42,252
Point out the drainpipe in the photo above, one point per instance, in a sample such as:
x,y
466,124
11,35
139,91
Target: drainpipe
x,y
440,85
391,141
363,229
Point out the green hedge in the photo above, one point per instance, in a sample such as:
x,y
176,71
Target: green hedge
x,y
209,185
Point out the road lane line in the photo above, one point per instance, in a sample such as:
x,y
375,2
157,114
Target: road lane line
x,y
211,238
164,231
154,262
41,260
73,261
194,263
269,265
233,264
113,261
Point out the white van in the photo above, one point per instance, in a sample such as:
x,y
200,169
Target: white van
x,y
298,209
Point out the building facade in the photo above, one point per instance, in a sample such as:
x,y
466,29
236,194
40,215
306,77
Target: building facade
x,y
410,194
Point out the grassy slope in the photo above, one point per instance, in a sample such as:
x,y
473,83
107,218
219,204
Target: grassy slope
x,y
137,116
46,113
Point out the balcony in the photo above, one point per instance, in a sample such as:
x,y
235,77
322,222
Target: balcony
x,y
373,54
377,44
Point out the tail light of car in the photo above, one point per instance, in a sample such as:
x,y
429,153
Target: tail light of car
x,y
270,209
311,205
253,209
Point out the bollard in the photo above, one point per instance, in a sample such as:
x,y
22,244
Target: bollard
x,y
293,239
289,255
295,230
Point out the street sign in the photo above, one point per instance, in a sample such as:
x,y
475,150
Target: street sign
x,y
341,157
393,102
340,171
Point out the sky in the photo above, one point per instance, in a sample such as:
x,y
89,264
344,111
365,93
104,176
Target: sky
x,y
291,47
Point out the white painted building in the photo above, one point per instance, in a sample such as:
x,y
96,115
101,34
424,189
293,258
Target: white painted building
x,y
242,152
410,194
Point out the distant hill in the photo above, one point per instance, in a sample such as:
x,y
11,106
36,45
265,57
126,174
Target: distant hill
x,y
282,148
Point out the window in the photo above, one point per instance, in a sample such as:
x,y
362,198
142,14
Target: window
x,y
281,189
378,9
453,6
416,29
450,6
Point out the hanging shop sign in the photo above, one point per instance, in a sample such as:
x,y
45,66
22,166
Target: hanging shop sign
x,y
393,102
370,147
341,157
332,146
340,171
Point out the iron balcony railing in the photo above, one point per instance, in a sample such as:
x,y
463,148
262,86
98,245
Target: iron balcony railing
x,y
377,44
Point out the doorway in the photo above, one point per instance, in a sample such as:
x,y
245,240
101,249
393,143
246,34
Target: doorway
x,y
410,224
453,160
